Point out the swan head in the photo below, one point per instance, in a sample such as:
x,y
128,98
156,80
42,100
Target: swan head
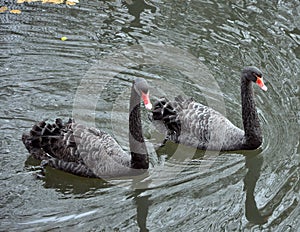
x,y
252,73
142,88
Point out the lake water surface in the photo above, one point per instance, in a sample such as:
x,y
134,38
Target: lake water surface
x,y
194,48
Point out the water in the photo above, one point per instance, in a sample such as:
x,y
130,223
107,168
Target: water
x,y
44,77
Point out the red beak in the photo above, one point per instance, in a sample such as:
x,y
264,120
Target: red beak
x,y
261,84
146,99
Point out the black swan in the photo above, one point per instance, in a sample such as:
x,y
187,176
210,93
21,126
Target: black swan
x,y
194,124
90,152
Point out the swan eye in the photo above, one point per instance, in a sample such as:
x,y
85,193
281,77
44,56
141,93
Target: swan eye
x,y
256,75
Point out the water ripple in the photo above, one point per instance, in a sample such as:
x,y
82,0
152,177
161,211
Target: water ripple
x,y
40,74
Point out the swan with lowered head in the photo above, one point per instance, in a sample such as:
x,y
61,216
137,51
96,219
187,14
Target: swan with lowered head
x,y
90,152
193,124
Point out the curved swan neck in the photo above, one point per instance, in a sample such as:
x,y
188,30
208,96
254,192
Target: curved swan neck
x,y
138,150
253,135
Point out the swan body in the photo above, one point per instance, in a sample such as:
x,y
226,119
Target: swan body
x,y
193,124
90,152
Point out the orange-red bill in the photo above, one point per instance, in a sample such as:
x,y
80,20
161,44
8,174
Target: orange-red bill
x,y
146,100
261,84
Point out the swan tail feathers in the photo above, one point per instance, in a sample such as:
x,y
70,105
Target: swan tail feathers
x,y
167,112
46,140
163,108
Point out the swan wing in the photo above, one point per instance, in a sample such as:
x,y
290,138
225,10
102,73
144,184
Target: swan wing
x,y
101,153
205,128
197,125
77,149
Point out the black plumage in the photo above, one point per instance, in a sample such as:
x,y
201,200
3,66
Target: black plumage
x,y
90,152
197,125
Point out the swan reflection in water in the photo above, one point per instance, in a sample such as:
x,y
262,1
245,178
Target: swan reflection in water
x,y
135,8
253,164
86,187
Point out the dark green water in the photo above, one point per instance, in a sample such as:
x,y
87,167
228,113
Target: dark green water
x,y
196,48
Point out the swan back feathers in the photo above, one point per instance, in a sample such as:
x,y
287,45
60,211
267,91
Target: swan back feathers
x,y
193,124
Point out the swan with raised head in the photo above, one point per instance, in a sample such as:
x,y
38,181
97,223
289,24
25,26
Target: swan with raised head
x,y
90,152
193,124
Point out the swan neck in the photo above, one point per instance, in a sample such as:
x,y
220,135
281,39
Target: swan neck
x,y
253,135
138,150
